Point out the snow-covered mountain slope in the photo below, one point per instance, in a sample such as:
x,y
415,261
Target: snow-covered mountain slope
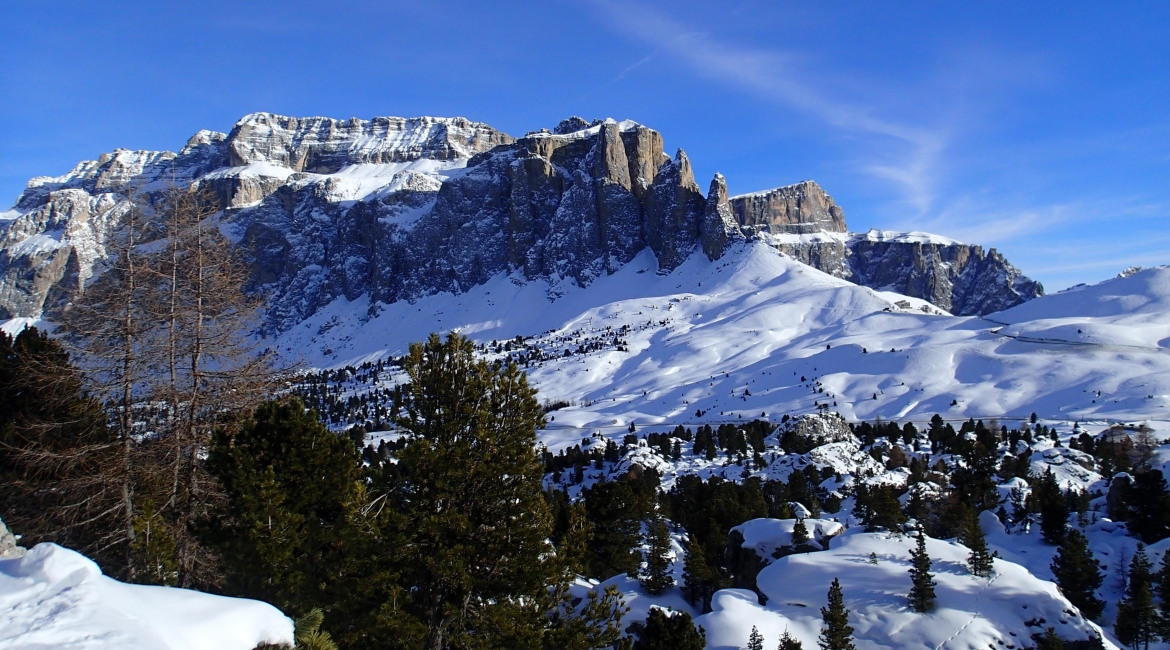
x,y
52,597
758,333
1127,311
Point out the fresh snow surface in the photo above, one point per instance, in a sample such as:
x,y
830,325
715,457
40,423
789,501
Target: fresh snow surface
x,y
1001,612
55,598
759,334
972,612
764,536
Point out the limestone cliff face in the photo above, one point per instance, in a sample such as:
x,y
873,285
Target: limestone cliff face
x,y
800,208
397,208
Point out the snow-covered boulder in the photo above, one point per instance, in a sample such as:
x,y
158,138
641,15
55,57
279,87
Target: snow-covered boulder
x,y
844,458
1070,467
1001,612
820,428
52,597
8,547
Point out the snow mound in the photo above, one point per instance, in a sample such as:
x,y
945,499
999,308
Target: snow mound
x,y
55,598
1004,611
1071,468
766,536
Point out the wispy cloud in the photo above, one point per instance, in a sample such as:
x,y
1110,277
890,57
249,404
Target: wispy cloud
x,y
910,153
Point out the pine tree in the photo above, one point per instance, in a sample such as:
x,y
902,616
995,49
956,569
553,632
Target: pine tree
x,y
1149,507
574,546
755,640
1163,588
980,561
657,578
698,579
922,591
1049,641
836,633
1138,623
1054,519
289,485
799,532
670,631
478,565
789,642
1078,574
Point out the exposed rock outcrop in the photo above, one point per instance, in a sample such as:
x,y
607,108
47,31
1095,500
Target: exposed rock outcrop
x,y
8,547
796,209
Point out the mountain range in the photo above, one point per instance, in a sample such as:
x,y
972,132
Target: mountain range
x,y
400,208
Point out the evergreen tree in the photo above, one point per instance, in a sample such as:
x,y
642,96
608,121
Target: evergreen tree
x,y
616,509
1138,623
1149,507
799,532
574,547
922,591
789,642
1163,588
1049,641
478,563
755,640
980,561
657,578
289,484
1054,519
670,631
698,579
836,633
1078,574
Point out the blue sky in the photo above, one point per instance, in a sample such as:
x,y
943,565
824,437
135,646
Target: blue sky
x,y
1039,129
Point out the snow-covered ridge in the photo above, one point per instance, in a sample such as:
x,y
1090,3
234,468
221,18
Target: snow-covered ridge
x,y
324,145
585,132
792,187
913,237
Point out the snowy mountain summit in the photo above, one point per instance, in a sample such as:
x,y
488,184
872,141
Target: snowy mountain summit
x,y
401,208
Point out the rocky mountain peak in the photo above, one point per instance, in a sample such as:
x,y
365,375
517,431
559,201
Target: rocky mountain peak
x,y
570,125
323,145
793,209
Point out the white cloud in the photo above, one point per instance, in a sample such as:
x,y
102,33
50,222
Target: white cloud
x,y
903,154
